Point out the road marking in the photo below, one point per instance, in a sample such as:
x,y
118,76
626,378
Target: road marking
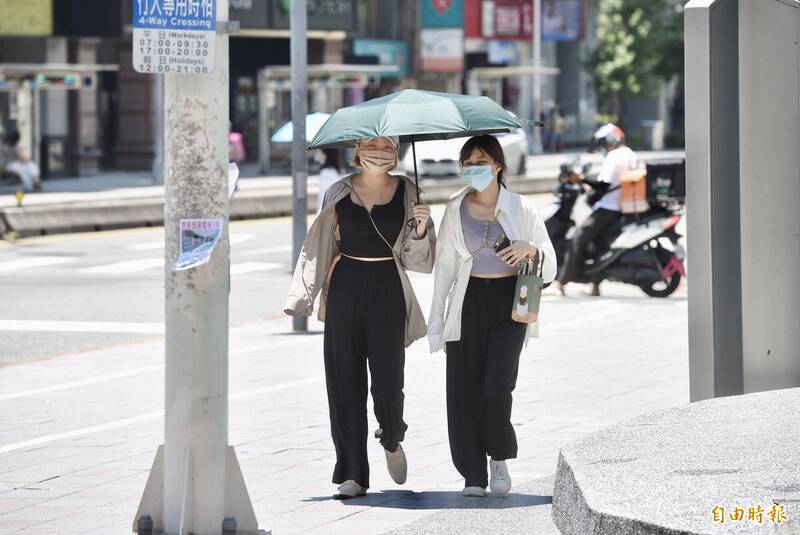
x,y
269,345
148,416
147,246
138,371
238,237
269,250
252,267
81,382
128,266
82,326
33,262
81,431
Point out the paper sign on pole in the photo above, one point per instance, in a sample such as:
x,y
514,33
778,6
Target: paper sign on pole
x,y
174,36
198,239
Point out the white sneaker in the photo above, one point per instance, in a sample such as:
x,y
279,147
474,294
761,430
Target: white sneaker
x,y
349,489
474,492
501,480
397,465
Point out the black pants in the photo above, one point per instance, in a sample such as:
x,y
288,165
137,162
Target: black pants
x,y
590,229
481,375
364,324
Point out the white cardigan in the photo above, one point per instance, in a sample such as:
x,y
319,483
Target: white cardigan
x,y
520,220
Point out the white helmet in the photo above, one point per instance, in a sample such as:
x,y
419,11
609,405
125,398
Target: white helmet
x,y
609,134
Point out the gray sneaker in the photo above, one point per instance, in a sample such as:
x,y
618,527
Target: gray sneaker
x,y
474,492
349,489
501,480
397,465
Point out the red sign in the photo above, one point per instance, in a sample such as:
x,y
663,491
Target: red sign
x,y
512,19
563,20
499,19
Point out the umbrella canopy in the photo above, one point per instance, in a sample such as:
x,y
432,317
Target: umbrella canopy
x,y
314,122
415,115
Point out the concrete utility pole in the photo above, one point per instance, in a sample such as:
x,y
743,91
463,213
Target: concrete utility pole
x,y
299,60
537,77
158,119
195,485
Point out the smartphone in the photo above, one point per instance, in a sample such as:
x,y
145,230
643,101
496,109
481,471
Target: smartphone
x,y
501,243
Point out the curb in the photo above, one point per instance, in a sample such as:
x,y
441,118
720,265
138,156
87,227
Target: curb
x,y
97,215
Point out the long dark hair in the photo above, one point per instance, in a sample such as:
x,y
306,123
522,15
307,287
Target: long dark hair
x,y
332,159
489,146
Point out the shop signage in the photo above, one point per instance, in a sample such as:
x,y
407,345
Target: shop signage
x,y
388,52
562,20
442,13
253,14
26,17
322,14
442,49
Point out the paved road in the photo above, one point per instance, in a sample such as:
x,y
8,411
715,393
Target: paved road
x,y
65,294
78,433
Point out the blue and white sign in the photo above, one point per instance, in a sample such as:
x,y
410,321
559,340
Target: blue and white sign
x,y
174,36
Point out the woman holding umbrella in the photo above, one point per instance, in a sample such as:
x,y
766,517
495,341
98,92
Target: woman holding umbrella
x,y
486,232
369,232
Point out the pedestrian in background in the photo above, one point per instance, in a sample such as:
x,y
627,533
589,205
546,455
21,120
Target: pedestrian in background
x,y
559,126
357,251
20,163
329,173
478,283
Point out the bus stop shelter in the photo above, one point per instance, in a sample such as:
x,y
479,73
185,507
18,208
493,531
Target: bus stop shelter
x,y
21,86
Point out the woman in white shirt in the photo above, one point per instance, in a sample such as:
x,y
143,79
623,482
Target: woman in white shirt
x,y
329,173
483,343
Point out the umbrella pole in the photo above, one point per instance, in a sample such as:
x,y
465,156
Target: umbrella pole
x,y
416,176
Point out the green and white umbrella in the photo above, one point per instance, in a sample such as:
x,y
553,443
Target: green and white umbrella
x,y
414,115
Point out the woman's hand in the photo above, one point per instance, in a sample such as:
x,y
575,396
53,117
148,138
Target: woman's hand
x,y
517,252
422,212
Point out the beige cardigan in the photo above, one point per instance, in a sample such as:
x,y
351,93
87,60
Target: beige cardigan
x,y
321,251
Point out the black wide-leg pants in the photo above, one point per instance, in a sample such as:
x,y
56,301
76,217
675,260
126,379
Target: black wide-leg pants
x,y
364,325
481,375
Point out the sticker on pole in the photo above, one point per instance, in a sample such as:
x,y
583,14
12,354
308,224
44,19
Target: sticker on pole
x,y
198,239
174,36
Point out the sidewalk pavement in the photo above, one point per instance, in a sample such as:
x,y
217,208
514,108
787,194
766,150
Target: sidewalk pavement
x,y
78,433
126,199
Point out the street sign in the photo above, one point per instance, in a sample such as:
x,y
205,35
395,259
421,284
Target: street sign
x,y
174,36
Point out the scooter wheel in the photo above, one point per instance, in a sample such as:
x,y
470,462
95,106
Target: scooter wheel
x,y
662,288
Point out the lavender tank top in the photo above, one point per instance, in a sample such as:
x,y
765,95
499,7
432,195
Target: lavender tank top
x,y
480,237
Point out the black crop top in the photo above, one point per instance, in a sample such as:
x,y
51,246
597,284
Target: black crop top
x,y
357,235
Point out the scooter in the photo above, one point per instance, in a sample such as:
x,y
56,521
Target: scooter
x,y
643,249
558,216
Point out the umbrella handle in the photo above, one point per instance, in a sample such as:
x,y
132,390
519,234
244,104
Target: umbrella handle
x,y
413,222
416,176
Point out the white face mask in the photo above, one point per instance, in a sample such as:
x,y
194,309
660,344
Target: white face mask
x,y
478,177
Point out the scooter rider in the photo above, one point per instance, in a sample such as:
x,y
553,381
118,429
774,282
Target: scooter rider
x,y
606,209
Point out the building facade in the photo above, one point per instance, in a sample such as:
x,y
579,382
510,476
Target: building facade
x,y
104,118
